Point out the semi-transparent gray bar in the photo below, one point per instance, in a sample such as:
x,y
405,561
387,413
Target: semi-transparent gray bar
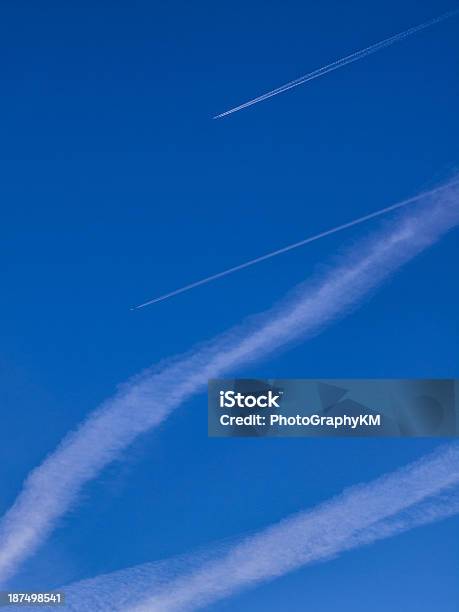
x,y
333,407
13,599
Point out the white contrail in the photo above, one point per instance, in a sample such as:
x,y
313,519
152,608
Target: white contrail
x,y
353,57
418,494
347,521
144,402
120,589
292,246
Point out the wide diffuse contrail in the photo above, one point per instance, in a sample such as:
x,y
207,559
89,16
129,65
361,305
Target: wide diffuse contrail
x,y
144,402
421,493
354,518
349,59
290,247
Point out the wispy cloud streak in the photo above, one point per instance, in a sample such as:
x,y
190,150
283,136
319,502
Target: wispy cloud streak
x,y
348,59
356,517
144,402
360,516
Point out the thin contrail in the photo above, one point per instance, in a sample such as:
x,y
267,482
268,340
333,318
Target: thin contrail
x,y
421,493
290,247
52,488
353,57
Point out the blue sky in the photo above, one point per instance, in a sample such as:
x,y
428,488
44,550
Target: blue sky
x,y
117,186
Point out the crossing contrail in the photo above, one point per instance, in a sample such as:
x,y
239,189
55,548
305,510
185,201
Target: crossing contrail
x,y
144,402
356,517
418,494
290,247
349,59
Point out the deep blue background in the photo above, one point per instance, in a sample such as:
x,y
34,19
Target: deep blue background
x,y
116,186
